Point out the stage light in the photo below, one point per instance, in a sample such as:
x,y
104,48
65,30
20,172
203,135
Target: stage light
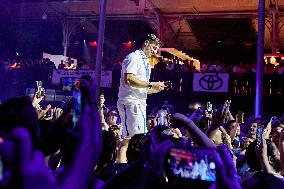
x,y
93,44
17,54
84,40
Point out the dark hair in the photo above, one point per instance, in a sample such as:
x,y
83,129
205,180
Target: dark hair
x,y
152,38
17,112
116,110
108,153
134,149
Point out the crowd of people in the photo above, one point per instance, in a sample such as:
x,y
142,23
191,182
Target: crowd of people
x,y
41,147
85,143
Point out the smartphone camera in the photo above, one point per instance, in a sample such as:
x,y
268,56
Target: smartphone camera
x,y
259,134
163,117
191,164
39,88
209,107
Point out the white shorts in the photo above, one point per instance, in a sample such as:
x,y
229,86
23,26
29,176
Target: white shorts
x,y
133,119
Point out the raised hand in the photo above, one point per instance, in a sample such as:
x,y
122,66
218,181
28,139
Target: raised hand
x,y
57,112
158,86
42,113
38,97
30,171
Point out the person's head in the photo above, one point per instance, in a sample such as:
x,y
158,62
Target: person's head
x,y
252,130
151,45
20,112
275,132
115,129
112,117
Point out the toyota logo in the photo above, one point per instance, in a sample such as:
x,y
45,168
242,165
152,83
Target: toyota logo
x,y
210,82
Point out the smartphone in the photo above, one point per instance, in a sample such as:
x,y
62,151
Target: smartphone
x,y
209,107
191,164
162,117
39,88
240,117
259,133
77,106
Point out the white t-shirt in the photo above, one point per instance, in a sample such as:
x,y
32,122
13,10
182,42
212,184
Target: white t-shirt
x,y
138,64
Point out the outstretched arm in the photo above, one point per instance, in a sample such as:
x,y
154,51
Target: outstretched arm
x,y
132,80
198,136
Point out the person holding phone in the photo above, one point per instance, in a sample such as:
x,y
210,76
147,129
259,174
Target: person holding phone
x,y
134,86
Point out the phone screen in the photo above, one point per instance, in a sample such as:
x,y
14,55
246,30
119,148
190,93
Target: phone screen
x,y
77,106
209,107
192,164
39,87
259,133
162,117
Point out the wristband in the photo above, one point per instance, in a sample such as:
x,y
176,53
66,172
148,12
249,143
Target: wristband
x,y
150,85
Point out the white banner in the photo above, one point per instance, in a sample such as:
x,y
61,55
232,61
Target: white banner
x,y
211,82
57,58
106,78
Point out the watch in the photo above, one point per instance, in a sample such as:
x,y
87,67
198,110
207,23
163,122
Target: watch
x,y
150,85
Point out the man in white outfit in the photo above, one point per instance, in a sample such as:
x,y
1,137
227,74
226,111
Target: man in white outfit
x,y
133,90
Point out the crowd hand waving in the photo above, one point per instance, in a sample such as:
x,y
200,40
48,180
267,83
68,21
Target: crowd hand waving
x,y
102,101
226,138
219,117
42,113
261,151
57,112
38,97
227,176
30,171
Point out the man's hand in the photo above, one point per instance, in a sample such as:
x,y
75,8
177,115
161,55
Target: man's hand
x,y
158,86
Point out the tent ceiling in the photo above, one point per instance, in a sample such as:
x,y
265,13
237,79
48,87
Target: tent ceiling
x,y
193,24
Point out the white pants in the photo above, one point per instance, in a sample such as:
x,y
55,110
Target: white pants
x,y
133,119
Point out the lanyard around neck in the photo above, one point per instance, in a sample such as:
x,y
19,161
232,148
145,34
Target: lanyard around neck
x,y
146,65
